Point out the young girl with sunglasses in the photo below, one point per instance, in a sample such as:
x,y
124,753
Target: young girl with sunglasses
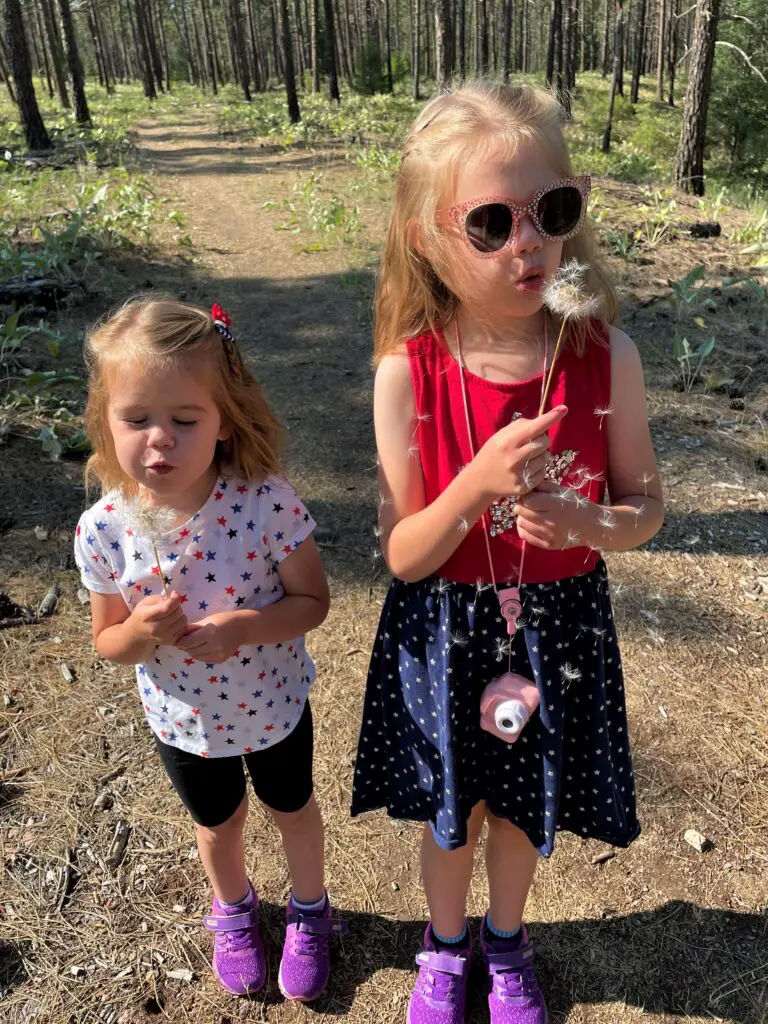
x,y
493,515
204,574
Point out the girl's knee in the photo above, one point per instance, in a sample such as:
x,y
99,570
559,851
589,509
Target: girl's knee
x,y
228,829
475,822
295,821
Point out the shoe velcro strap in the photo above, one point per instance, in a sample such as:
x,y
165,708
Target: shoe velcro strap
x,y
232,922
317,925
514,960
444,962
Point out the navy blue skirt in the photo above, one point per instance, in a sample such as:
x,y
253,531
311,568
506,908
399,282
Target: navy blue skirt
x,y
422,754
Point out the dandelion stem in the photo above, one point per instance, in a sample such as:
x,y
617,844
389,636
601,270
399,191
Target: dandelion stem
x,y
548,384
160,569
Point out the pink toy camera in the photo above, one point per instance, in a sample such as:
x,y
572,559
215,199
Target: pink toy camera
x,y
506,705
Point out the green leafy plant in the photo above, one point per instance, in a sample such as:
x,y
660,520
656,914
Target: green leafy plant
x,y
658,214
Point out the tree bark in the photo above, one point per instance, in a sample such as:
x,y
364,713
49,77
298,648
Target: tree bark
x,y
82,114
637,65
443,44
238,45
313,51
506,42
5,73
606,39
674,30
330,35
415,48
287,52
618,47
43,50
689,164
35,133
661,51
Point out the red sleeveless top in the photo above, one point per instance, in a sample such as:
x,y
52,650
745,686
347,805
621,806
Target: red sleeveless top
x,y
578,445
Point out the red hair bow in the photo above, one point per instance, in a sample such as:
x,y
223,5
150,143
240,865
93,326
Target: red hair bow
x,y
220,316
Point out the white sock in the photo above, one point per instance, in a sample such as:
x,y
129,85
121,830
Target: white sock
x,y
247,900
313,905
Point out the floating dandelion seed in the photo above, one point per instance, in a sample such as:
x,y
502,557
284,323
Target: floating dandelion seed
x,y
607,519
376,554
458,639
413,451
573,539
639,511
442,587
646,479
463,526
599,631
151,522
658,597
503,648
377,531
592,551
618,589
569,673
602,413
656,637
384,501
580,500
527,478
424,417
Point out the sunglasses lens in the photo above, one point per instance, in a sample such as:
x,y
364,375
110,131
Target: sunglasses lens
x,y
489,227
559,211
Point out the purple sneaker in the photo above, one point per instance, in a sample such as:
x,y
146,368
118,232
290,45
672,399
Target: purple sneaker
x,y
306,962
238,956
440,993
514,996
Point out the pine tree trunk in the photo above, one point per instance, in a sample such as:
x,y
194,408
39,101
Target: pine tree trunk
x,y
618,47
552,44
606,39
287,53
298,34
689,164
443,41
57,57
330,35
661,51
82,114
313,50
481,38
415,48
5,72
462,38
620,79
34,130
506,42
238,46
637,67
674,29
388,46
210,45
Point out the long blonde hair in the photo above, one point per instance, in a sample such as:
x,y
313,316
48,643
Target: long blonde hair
x,y
475,120
159,332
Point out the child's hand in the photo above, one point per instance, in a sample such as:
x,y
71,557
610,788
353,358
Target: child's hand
x,y
160,619
554,518
212,640
514,460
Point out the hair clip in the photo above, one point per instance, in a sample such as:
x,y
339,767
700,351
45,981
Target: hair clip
x,y
221,321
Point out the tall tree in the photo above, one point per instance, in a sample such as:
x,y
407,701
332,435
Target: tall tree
x,y
415,47
238,46
674,29
287,54
637,64
82,113
443,43
689,163
661,53
313,48
617,57
35,133
57,55
330,40
506,40
5,73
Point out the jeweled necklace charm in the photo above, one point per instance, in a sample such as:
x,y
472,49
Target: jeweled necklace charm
x,y
511,607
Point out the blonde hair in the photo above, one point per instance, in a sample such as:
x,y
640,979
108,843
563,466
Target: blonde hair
x,y
474,121
160,332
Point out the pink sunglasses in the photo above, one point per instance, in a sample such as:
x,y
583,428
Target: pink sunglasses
x,y
489,224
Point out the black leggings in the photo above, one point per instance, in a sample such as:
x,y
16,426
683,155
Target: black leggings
x,y
212,788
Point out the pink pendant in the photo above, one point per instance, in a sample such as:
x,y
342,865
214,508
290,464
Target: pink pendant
x,y
511,607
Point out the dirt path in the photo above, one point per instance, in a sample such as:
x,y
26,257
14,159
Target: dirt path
x,y
656,933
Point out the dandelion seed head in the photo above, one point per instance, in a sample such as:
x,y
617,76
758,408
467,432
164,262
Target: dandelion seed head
x,y
458,639
607,519
503,648
566,295
607,411
463,525
442,586
573,539
149,521
570,673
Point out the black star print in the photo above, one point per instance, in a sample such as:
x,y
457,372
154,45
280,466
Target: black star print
x,y
245,661
231,533
210,578
277,507
137,555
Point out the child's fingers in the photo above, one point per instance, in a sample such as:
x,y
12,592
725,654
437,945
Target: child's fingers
x,y
530,429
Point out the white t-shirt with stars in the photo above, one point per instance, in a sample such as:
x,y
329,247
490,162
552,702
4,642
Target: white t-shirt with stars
x,y
225,557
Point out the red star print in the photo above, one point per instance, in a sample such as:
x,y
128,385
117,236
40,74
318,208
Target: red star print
x,y
174,676
218,495
189,661
109,508
251,555
278,685
95,558
264,540
287,549
199,555
242,706
247,750
147,707
219,728
297,511
222,520
203,753
138,587
155,570
213,679
183,599
262,675
195,711
129,533
236,654
163,733
242,489
297,701
230,591
179,725
78,530
268,728
184,533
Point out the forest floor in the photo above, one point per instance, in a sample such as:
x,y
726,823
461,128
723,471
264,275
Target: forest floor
x,y
658,932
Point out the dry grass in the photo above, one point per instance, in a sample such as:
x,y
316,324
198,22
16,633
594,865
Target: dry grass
x,y
658,933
